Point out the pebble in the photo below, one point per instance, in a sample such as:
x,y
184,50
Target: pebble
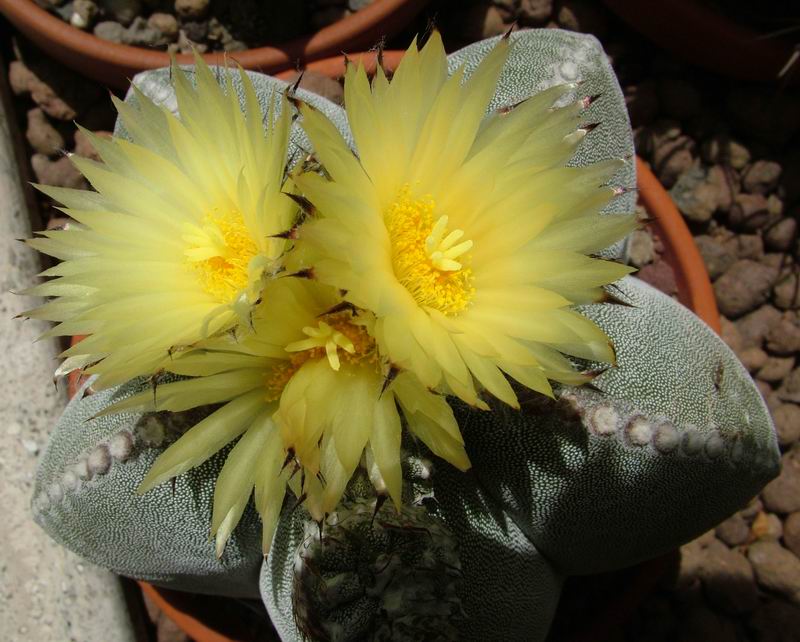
x,y
784,336
752,358
672,158
761,177
753,508
534,12
723,150
83,14
728,579
787,423
31,446
782,494
753,328
42,136
787,293
746,246
123,11
730,334
774,369
696,198
83,147
165,24
141,35
751,212
716,256
191,9
60,173
767,526
110,30
743,287
791,533
776,568
779,237
775,621
319,84
734,531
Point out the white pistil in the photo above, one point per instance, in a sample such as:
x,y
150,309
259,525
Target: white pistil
x,y
440,249
324,336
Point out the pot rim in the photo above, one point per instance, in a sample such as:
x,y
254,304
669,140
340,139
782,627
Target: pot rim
x,y
360,29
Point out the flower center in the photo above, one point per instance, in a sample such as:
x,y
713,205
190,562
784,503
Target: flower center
x,y
338,337
430,262
220,252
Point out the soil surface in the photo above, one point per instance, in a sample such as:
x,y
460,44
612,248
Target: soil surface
x,y
727,152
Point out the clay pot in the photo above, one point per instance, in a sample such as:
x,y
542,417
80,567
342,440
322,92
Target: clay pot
x,y
705,37
115,64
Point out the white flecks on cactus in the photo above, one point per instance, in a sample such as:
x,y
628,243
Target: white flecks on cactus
x,y
667,438
692,442
639,431
99,460
603,419
120,446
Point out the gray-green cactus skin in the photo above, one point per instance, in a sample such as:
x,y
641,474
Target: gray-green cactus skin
x,y
659,448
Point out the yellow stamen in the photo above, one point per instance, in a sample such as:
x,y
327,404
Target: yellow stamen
x,y
424,255
220,252
334,331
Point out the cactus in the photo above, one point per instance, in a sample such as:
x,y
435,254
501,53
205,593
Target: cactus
x,y
659,448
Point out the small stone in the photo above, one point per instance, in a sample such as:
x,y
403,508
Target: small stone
x,y
784,336
725,151
753,508
743,287
696,199
753,358
787,293
779,237
83,147
43,137
83,14
191,9
787,423
755,327
730,334
733,531
165,24
641,249
185,45
728,579
660,275
716,255
195,31
20,77
750,212
791,533
775,369
761,177
123,11
672,158
782,494
776,568
746,246
110,30
535,12
59,173
31,446
767,526
775,621
140,34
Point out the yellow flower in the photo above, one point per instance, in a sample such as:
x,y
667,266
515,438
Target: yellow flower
x,y
176,241
309,392
466,235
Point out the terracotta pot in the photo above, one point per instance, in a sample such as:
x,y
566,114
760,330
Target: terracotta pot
x,y
114,64
705,37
